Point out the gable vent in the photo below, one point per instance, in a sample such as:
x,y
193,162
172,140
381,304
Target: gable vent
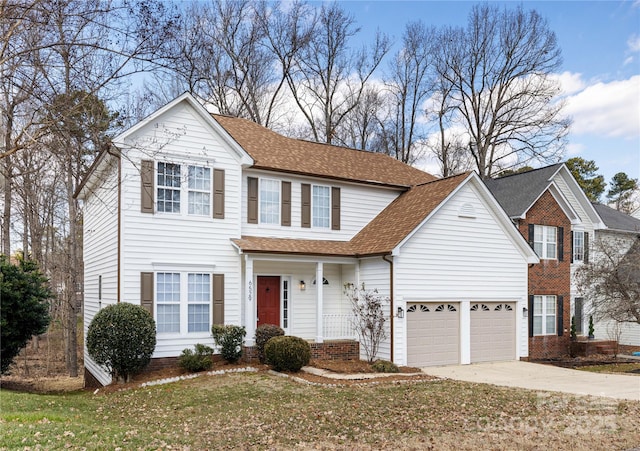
x,y
467,211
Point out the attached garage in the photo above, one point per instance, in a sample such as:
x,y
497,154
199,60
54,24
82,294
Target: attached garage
x,y
433,334
493,331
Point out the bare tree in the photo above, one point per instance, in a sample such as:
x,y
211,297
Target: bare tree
x,y
327,80
499,73
408,84
611,281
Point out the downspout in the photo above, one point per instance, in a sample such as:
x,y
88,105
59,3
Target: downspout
x,y
391,316
119,232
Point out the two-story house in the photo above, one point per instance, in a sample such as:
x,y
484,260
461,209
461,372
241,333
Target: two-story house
x,y
207,219
555,216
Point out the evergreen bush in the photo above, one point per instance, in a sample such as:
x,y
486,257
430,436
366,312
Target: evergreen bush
x,y
196,360
122,337
264,333
287,353
229,339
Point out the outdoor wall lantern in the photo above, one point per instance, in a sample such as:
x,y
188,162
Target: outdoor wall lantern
x,y
303,286
400,312
324,281
525,312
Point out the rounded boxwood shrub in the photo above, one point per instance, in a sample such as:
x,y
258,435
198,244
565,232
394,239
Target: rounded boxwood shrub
x,y
196,360
287,353
264,333
122,337
384,366
230,339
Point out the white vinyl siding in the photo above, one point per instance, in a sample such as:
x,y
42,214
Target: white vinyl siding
x,y
545,241
269,201
321,206
175,242
100,253
359,204
544,315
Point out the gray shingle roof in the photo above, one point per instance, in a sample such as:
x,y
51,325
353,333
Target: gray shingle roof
x,y
517,192
616,220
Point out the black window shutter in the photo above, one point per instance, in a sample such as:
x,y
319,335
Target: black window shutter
x,y
586,248
531,234
252,200
530,318
146,291
560,243
560,315
572,246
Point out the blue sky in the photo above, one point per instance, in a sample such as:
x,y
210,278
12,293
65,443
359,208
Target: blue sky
x,y
600,44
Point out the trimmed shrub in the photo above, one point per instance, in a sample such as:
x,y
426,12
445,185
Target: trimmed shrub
x,y
229,339
264,333
384,366
122,337
196,360
287,353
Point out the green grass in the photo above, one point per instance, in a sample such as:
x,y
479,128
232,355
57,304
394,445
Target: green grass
x,y
259,411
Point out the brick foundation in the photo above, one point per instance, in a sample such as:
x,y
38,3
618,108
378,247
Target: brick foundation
x,y
329,350
90,382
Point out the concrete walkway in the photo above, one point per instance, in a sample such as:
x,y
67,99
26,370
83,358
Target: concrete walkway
x,y
534,376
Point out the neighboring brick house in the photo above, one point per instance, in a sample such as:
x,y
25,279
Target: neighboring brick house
x,y
556,218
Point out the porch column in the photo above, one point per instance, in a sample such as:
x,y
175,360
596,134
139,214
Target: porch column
x,y
249,304
319,305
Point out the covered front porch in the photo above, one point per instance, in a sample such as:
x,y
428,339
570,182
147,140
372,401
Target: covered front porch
x,y
304,295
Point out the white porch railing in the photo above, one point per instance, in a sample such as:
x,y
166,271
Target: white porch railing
x,y
338,326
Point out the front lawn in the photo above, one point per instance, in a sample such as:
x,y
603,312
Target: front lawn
x,y
625,367
261,411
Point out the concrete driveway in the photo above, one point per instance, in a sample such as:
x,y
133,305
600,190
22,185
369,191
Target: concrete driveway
x,y
534,376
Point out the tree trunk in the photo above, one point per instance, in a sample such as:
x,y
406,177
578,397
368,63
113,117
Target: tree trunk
x,y
72,261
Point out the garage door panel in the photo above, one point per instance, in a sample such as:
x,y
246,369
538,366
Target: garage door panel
x,y
433,334
493,332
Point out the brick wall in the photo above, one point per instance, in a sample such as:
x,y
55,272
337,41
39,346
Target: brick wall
x,y
329,350
550,277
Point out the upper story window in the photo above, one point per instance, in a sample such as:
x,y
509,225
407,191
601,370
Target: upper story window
x,y
544,315
545,242
199,184
578,246
321,205
269,201
170,189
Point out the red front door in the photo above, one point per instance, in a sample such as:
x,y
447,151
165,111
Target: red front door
x,y
269,300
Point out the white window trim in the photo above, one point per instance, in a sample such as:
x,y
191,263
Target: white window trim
x,y
184,189
184,302
279,219
543,315
313,217
573,246
545,241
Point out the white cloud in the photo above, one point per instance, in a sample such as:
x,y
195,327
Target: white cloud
x,y
574,149
634,43
628,61
607,109
570,83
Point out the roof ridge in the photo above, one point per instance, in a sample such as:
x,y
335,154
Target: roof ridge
x,y
465,174
528,172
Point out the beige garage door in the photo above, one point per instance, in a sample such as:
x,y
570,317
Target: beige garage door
x,y
433,334
493,332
